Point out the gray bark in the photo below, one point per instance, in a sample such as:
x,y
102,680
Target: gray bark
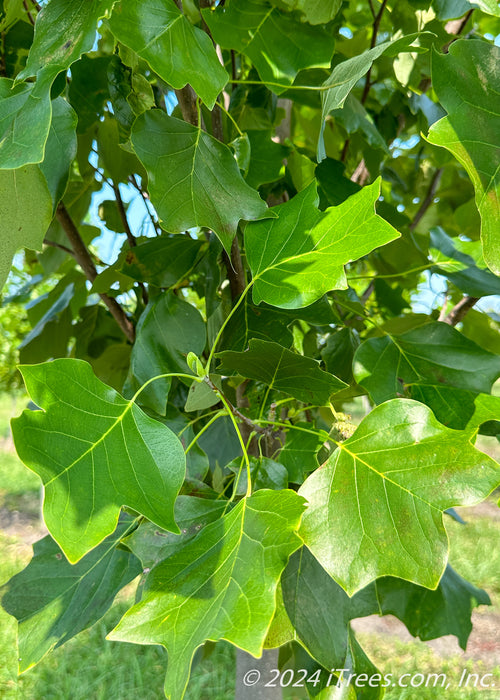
x,y
246,666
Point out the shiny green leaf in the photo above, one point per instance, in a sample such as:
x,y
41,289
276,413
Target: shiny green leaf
x,y
95,452
299,256
178,52
282,370
221,585
313,11
194,179
375,508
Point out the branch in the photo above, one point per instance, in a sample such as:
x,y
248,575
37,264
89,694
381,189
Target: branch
x,y
53,244
456,27
236,412
459,311
130,236
82,256
429,198
186,98
376,27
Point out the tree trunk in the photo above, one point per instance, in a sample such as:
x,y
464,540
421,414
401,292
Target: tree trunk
x,y
253,674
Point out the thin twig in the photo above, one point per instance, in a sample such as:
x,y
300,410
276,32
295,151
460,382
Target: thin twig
x,y
82,256
25,5
456,27
235,411
130,236
53,244
428,199
376,27
145,199
459,311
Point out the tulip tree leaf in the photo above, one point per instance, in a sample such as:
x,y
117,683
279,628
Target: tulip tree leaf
x,y
375,507
320,610
54,601
63,32
221,585
313,11
178,52
194,179
283,370
300,255
299,452
278,45
61,148
168,330
95,452
461,268
435,354
345,75
162,261
25,213
467,83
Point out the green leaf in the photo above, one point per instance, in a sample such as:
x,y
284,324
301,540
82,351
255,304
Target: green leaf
x,y
25,114
467,83
95,452
434,354
25,213
266,158
168,329
193,178
178,52
431,614
313,11
265,474
151,545
375,507
63,32
489,7
460,268
261,322
60,150
345,75
282,370
162,261
299,256
278,45
320,610
54,600
299,453
221,585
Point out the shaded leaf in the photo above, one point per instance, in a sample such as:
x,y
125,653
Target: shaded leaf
x,y
266,158
221,585
345,75
375,507
467,83
194,179
282,370
299,453
60,150
435,354
299,256
265,474
168,329
162,261
313,11
152,544
278,45
25,213
95,452
178,52
54,600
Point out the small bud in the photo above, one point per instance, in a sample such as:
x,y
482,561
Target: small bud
x,y
195,365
